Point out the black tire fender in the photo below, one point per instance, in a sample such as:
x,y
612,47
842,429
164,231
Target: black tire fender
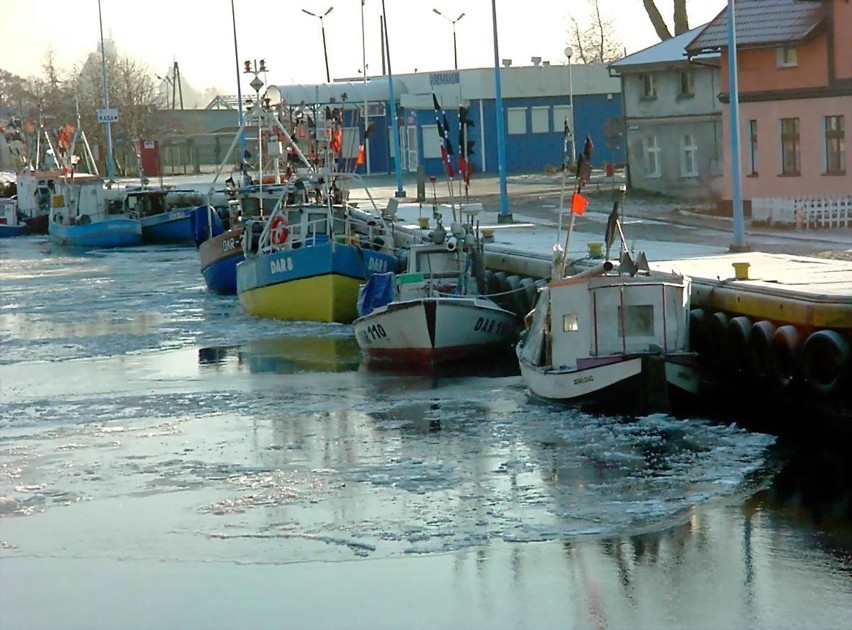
x,y
759,351
786,345
736,344
825,362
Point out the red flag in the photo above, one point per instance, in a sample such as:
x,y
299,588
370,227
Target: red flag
x,y
578,203
362,155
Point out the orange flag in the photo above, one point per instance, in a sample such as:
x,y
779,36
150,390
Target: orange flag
x,y
578,203
362,153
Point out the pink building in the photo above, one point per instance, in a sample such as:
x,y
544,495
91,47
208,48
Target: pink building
x,y
794,62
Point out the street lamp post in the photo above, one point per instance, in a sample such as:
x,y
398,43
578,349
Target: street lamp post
x,y
569,52
324,48
106,110
170,84
453,22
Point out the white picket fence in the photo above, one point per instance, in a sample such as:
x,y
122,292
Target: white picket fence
x,y
803,213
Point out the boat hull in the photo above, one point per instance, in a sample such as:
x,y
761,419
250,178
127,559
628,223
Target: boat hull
x,y
118,232
432,331
7,231
316,282
174,226
219,258
640,383
37,224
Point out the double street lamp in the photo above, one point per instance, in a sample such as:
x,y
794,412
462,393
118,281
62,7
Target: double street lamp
x,y
324,48
453,22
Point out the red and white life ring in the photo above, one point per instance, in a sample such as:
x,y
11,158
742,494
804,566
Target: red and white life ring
x,y
278,231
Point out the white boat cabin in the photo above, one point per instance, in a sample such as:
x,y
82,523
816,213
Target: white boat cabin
x,y
79,201
595,317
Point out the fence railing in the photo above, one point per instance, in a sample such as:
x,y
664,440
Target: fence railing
x,y
803,213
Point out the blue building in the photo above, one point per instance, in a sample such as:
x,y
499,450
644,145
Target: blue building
x,y
537,102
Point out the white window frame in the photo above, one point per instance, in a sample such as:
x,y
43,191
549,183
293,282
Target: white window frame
x,y
516,120
832,135
753,147
560,114
786,57
690,80
649,85
688,147
649,148
540,119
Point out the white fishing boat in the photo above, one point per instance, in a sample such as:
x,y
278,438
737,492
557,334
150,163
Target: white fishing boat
x,y
436,311
616,333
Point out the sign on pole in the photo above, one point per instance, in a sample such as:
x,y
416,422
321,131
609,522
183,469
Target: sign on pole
x,y
109,115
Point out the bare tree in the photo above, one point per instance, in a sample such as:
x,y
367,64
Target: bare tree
x,y
596,41
681,19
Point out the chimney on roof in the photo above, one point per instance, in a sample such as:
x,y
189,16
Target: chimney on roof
x,y
536,61
507,63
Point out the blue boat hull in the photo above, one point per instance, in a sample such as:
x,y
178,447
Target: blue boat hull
x,y
12,230
174,226
119,232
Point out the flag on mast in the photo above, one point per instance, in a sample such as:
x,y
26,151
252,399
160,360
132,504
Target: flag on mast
x,y
444,132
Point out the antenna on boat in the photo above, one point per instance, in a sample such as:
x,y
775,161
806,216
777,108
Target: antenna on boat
x,y
578,201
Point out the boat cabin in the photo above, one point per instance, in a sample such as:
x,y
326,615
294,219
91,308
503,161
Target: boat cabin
x,y
606,316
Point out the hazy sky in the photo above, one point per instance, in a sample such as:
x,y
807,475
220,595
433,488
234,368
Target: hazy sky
x,y
198,34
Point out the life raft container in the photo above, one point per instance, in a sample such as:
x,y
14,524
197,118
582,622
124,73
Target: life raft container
x,y
825,362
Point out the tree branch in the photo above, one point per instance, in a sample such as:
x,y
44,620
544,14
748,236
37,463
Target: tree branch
x,y
657,20
681,20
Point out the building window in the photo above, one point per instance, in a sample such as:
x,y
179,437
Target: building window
x,y
835,145
649,87
687,84
786,57
540,119
790,147
516,118
688,156
752,148
652,156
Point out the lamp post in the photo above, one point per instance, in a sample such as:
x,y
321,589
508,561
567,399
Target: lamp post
x,y
324,48
453,22
171,85
569,52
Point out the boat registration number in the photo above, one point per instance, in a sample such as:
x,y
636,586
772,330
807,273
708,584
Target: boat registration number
x,y
488,326
372,333
377,265
229,244
281,265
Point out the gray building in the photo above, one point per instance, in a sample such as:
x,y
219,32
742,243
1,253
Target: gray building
x,y
672,119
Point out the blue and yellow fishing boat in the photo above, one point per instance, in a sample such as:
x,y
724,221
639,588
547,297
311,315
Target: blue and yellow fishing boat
x,y
308,260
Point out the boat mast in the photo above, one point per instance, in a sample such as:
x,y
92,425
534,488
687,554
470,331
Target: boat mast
x,y
110,166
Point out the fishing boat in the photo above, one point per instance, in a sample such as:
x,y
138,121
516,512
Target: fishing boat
x,y
10,219
218,230
615,334
164,212
82,216
308,260
436,311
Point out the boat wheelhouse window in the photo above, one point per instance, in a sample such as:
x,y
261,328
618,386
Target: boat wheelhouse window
x,y
570,322
636,320
316,223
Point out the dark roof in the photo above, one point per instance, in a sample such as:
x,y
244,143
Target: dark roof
x,y
762,23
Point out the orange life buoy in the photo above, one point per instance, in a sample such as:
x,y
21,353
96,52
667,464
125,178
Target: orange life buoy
x,y
278,231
